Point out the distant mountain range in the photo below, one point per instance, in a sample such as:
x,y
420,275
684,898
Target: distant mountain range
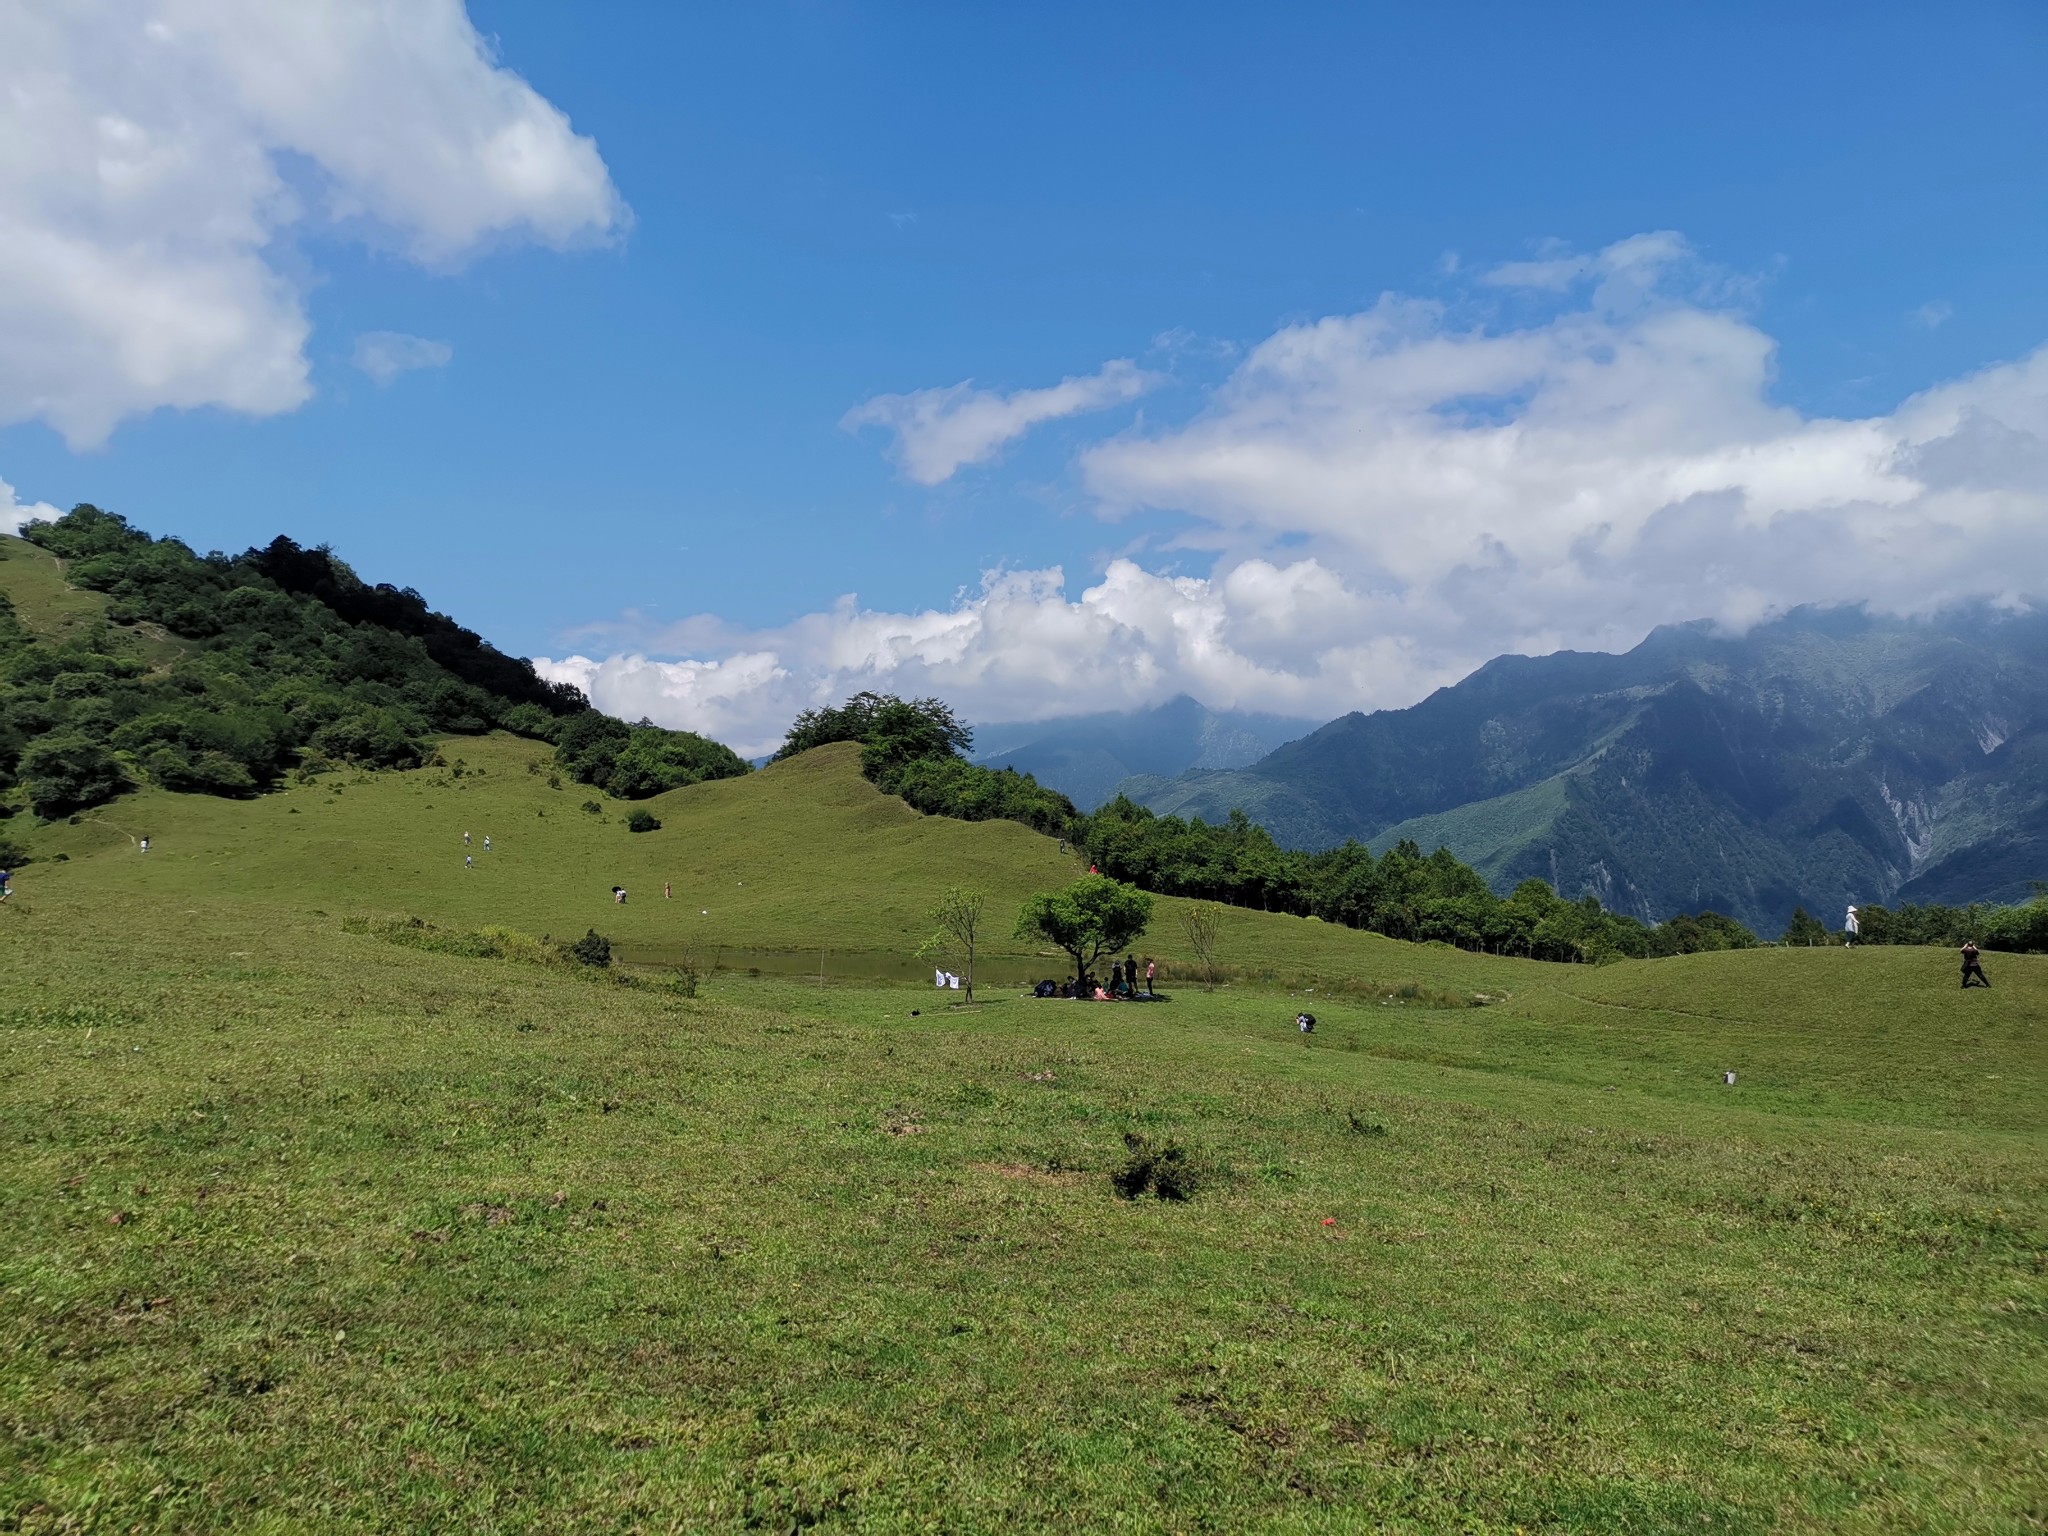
x,y
1824,758
1085,757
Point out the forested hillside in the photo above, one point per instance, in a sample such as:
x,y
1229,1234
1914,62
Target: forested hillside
x,y
1828,757
127,659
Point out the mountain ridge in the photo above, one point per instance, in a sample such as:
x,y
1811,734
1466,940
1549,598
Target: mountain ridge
x,y
1827,756
1085,757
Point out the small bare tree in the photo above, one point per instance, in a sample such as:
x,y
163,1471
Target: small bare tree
x,y
958,915
1202,922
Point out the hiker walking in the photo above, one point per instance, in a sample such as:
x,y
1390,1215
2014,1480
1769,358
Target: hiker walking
x,y
1852,925
469,861
1973,964
465,839
6,883
487,842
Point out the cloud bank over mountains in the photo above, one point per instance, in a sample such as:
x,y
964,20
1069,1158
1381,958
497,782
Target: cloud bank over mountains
x,y
1390,497
156,157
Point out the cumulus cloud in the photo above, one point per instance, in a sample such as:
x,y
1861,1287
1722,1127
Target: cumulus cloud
x,y
1578,481
154,154
16,515
1019,647
1391,497
939,430
384,355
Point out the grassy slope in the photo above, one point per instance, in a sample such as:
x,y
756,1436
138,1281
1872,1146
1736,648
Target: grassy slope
x,y
33,580
803,855
817,1262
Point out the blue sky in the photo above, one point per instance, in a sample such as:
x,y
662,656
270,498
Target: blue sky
x,y
637,445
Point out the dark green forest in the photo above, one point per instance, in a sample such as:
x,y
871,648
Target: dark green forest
x,y
218,674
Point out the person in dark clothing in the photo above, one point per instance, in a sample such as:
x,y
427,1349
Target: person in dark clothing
x,y
1131,974
1973,964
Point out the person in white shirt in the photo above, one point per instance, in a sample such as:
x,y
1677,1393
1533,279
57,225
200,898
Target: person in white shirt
x,y
1851,926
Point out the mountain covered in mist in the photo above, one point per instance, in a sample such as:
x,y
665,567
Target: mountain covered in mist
x,y
1086,757
1827,757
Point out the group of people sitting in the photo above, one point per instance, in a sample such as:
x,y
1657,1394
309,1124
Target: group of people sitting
x,y
1122,984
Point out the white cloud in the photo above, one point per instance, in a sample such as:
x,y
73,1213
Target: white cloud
x,y
154,153
1392,497
15,515
1264,636
1627,265
384,355
1932,315
939,430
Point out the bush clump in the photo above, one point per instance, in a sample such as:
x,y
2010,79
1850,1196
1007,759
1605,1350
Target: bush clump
x,y
643,821
592,949
1165,1169
631,762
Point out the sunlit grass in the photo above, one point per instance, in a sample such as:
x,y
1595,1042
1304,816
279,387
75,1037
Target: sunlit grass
x,y
305,1229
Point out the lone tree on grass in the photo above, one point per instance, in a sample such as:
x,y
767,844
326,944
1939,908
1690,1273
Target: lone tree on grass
x,y
1093,916
1203,923
958,915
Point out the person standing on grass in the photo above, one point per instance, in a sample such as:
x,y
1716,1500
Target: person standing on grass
x,y
465,839
6,883
666,893
1973,964
487,842
469,861
145,845
1852,925
1151,971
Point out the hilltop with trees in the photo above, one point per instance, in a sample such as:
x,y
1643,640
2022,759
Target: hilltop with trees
x,y
217,674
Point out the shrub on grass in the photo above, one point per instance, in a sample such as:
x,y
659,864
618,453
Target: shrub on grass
x,y
1166,1170
592,949
643,821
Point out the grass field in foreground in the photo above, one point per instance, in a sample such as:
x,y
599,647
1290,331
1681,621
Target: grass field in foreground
x,y
302,1230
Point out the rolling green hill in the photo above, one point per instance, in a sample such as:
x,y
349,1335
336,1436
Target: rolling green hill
x,y
1827,757
337,1197
302,1228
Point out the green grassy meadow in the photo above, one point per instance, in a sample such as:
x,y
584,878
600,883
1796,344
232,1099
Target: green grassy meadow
x,y
303,1230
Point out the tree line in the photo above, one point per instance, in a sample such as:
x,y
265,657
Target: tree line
x,y
917,749
2019,929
